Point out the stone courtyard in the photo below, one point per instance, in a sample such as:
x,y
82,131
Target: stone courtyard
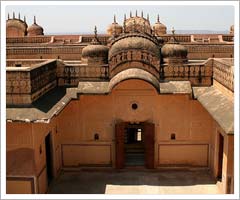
x,y
134,182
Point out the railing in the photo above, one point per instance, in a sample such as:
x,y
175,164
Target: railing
x,y
88,39
43,75
179,38
39,39
187,71
71,75
44,50
223,72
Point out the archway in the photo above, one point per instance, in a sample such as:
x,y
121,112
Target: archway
x,y
134,73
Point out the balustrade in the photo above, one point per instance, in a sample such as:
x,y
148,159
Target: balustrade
x,y
73,74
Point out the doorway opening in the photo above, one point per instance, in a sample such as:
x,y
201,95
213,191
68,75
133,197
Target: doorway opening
x,y
48,146
134,145
220,156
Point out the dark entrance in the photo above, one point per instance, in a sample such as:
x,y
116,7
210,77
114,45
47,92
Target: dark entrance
x,y
48,146
220,156
134,145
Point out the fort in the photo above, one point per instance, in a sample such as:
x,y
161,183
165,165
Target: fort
x,y
133,97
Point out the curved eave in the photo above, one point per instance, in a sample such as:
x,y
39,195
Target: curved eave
x,y
220,107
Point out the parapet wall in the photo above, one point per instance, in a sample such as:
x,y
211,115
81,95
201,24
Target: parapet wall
x,y
26,84
69,47
73,52
50,52
223,72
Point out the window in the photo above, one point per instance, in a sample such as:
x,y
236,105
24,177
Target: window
x,y
139,134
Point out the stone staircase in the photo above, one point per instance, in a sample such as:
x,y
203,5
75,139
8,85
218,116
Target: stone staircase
x,y
134,154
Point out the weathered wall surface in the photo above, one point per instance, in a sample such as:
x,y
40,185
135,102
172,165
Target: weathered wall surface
x,y
73,130
32,135
177,114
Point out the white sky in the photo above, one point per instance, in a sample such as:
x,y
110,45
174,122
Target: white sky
x,y
83,18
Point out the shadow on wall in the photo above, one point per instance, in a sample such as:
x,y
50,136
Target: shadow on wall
x,y
88,182
48,100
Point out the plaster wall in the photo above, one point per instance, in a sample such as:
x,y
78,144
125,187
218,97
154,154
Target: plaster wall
x,y
178,114
73,130
226,184
19,187
42,182
19,135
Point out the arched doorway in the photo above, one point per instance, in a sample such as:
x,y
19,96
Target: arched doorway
x,y
134,144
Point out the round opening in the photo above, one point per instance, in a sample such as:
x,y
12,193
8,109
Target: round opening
x,y
134,106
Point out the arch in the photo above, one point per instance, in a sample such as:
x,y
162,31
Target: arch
x,y
134,73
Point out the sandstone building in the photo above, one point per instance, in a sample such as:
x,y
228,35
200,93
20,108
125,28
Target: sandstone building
x,y
135,96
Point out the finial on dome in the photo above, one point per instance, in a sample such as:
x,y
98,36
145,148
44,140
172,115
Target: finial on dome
x,y
13,15
124,26
34,19
114,31
8,16
148,17
130,13
24,19
142,14
173,30
158,20
136,13
95,40
19,16
114,19
125,17
95,31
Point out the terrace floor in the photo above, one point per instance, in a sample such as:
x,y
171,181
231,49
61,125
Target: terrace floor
x,y
134,182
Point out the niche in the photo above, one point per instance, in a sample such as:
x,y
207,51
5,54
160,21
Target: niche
x,y
173,136
96,136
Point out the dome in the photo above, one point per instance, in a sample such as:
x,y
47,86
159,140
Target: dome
x,y
137,24
17,23
95,52
35,29
114,28
135,41
174,50
16,27
159,28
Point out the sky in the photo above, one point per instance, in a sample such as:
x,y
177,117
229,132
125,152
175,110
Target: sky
x,y
83,18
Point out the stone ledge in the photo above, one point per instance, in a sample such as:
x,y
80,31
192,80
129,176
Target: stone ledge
x,y
176,87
